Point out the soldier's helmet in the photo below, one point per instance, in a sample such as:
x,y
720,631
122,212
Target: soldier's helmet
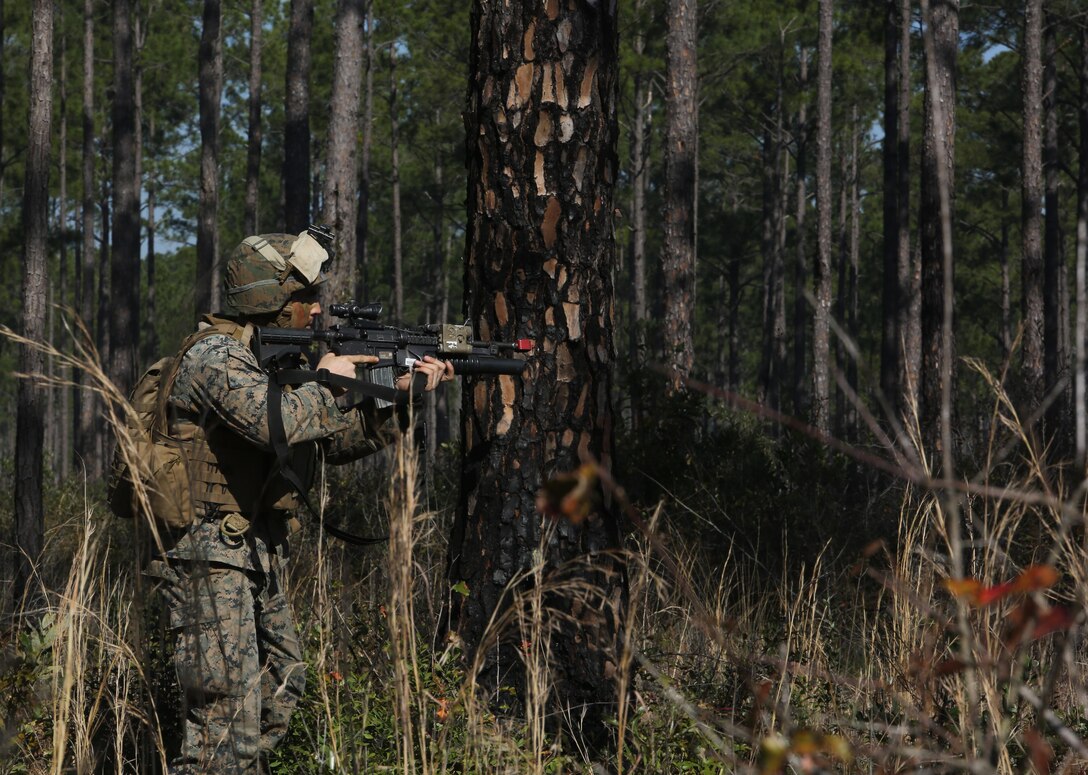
x,y
265,270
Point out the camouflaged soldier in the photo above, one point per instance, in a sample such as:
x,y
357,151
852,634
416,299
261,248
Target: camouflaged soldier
x,y
237,653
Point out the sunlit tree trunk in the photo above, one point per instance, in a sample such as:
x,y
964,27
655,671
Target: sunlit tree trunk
x,y
680,174
1032,281
541,129
296,130
29,513
821,350
211,87
937,378
342,174
254,136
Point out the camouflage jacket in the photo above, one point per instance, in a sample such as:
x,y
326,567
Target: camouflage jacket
x,y
220,387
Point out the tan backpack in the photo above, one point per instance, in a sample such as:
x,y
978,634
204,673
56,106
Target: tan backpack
x,y
155,459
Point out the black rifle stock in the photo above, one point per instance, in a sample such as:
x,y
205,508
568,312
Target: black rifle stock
x,y
361,333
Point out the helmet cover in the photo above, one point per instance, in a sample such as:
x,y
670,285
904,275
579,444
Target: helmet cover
x,y
265,270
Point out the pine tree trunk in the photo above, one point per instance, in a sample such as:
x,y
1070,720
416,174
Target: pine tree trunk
x,y
1054,255
394,149
29,510
639,181
1081,335
85,439
851,322
211,88
800,264
1032,288
842,269
151,340
680,162
62,452
821,350
296,131
125,265
342,174
542,132
909,324
892,293
938,175
251,218
3,91
362,223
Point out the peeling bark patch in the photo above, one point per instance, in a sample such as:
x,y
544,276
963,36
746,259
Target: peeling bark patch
x,y
500,309
573,314
566,128
506,389
562,35
544,131
489,201
552,9
527,42
560,87
589,81
551,218
547,90
564,364
579,411
549,267
538,172
579,170
524,81
479,398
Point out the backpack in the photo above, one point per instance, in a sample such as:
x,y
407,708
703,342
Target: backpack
x,y
155,459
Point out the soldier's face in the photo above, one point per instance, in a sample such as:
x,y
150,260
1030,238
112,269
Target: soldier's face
x,y
303,313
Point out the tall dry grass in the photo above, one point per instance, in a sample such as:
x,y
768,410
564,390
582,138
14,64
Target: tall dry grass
x,y
873,666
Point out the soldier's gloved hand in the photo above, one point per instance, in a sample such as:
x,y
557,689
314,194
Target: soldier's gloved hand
x,y
344,365
436,372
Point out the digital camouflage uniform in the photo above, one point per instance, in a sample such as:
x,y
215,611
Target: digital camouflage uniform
x,y
237,653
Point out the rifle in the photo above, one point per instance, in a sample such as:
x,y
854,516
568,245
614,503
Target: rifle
x,y
362,333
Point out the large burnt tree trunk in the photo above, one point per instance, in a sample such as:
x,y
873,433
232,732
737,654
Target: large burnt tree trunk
x,y
1032,281
125,266
341,176
211,87
541,149
680,178
30,431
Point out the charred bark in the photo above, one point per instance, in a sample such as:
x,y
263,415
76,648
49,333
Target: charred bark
x,y
541,129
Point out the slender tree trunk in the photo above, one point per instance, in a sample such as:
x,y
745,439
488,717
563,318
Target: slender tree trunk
x,y
539,265
394,149
639,181
3,91
151,339
362,224
104,291
62,456
680,195
938,176
842,269
125,265
1006,282
800,265
909,324
296,131
892,292
342,173
1081,336
821,352
85,442
771,182
1054,256
852,325
211,89
29,510
1032,299
251,218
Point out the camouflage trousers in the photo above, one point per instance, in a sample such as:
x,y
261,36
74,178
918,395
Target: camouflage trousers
x,y
238,662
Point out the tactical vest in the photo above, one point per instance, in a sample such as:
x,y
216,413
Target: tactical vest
x,y
228,473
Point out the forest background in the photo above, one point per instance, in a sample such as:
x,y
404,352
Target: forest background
x,y
847,393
